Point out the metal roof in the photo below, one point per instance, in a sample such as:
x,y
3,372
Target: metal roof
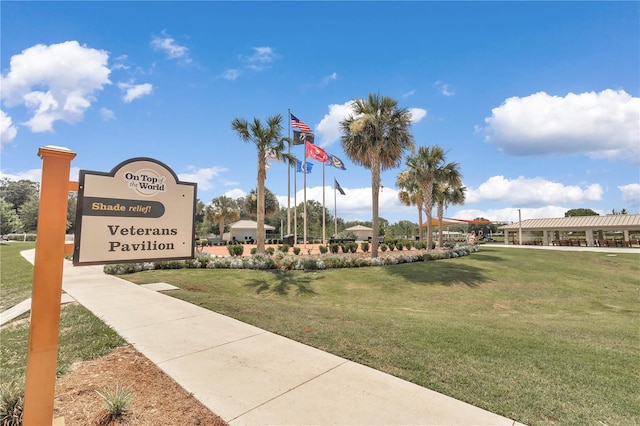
x,y
611,222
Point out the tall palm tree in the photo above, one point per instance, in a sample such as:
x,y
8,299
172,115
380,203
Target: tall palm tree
x,y
448,191
410,195
428,165
376,135
268,139
222,209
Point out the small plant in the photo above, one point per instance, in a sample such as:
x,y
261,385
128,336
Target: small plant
x,y
383,247
284,248
116,401
323,249
269,251
235,249
334,248
11,404
296,250
365,247
399,246
254,250
353,247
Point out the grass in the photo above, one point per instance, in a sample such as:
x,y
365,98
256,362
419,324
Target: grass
x,y
82,336
15,275
543,337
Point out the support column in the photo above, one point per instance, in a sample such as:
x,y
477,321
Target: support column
x,y
47,286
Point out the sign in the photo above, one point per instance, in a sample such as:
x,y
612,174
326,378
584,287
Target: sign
x,y
138,212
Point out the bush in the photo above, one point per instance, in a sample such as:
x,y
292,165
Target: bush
x,y
408,245
296,250
399,246
352,246
116,401
365,247
254,250
334,248
284,248
269,251
235,250
323,249
11,404
383,247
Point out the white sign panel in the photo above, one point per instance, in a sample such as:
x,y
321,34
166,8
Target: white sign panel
x,y
138,212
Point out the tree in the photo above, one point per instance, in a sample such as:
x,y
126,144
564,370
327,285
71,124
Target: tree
x,y
72,205
429,167
268,141
222,209
16,193
250,203
28,213
410,194
9,219
447,192
580,212
376,135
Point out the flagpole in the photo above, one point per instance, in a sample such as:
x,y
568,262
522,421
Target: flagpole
x,y
289,179
295,208
335,210
304,217
324,233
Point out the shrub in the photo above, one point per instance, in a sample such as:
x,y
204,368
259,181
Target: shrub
x,y
284,248
408,245
334,248
323,249
116,401
258,262
384,247
365,247
11,404
310,264
296,250
235,249
399,246
352,246
254,250
269,251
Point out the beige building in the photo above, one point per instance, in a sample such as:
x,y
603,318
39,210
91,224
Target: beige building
x,y
592,231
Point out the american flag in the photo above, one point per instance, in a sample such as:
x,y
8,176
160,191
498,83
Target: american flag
x,y
296,123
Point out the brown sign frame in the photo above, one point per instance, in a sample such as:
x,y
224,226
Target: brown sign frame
x,y
128,215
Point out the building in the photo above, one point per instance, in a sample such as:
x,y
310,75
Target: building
x,y
246,230
592,231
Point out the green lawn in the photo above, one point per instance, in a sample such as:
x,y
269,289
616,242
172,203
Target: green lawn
x,y
82,335
543,337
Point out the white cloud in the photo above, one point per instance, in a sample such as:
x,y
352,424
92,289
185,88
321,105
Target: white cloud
x,y
510,214
443,88
135,91
532,192
261,55
330,78
35,175
602,125
203,177
169,46
329,127
417,114
8,131
409,93
631,196
231,74
107,114
55,82
235,193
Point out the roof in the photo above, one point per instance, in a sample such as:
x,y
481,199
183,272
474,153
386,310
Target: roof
x,y
434,222
612,222
359,228
249,224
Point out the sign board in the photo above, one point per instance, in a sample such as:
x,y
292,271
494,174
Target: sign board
x,y
138,212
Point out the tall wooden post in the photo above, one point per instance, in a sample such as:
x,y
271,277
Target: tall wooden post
x,y
47,286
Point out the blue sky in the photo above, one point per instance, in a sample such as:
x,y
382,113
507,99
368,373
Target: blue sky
x,y
537,101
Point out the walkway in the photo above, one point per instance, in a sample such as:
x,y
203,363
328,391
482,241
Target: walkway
x,y
250,376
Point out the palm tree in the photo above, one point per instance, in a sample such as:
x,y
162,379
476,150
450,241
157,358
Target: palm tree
x,y
222,209
448,191
411,195
376,135
428,165
268,140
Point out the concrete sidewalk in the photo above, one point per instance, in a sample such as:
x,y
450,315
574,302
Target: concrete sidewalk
x,y
249,376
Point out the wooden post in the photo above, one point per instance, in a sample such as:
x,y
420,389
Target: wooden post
x,y
47,286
